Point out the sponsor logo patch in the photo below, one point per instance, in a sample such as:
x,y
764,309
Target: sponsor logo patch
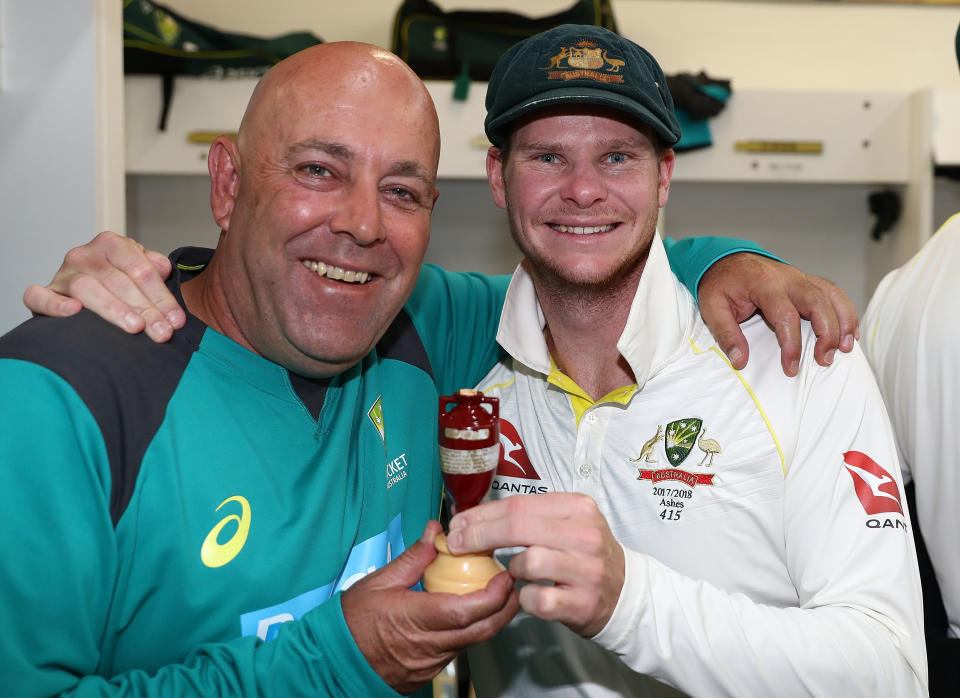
x,y
513,457
214,553
375,414
875,488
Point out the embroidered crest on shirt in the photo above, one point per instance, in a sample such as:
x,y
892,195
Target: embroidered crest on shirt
x,y
375,413
672,488
681,436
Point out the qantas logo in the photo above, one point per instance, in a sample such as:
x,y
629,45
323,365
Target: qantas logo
x,y
513,457
876,489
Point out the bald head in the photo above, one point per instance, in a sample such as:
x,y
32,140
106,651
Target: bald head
x,y
325,199
341,76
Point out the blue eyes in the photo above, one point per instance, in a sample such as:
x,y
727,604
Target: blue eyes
x,y
317,170
613,158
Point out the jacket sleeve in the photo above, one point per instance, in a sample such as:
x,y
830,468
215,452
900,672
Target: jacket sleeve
x,y
856,628
61,572
456,315
691,257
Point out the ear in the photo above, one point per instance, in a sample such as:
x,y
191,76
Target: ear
x,y
667,160
495,176
223,163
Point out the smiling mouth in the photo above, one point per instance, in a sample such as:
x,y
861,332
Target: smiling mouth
x,y
583,229
337,273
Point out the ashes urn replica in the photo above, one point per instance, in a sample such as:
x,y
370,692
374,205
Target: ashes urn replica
x,y
469,437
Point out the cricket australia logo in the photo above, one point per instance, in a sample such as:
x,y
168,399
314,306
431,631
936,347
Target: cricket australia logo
x,y
681,436
585,59
375,414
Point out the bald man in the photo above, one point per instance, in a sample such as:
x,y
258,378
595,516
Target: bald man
x,y
202,517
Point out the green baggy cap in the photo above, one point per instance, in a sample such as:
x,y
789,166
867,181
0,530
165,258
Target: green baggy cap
x,y
579,64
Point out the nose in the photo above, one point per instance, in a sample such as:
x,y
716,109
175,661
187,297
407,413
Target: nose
x,y
357,213
584,186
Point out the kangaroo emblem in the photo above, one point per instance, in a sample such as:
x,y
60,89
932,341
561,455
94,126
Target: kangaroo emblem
x,y
615,63
710,448
555,60
646,452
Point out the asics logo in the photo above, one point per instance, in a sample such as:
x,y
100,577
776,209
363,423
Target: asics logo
x,y
213,553
876,489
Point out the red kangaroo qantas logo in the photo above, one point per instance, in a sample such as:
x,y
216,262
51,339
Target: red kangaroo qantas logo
x,y
513,458
877,491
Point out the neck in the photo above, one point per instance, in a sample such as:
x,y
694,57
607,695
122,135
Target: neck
x,y
583,327
204,298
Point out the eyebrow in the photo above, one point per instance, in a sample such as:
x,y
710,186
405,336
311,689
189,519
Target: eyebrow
x,y
336,149
410,168
552,146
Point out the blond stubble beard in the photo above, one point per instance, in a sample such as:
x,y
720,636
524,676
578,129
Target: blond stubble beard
x,y
556,286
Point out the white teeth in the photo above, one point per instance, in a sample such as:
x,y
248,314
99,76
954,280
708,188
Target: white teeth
x,y
337,273
583,230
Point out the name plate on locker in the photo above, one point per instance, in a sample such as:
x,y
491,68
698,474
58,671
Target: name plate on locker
x,y
805,136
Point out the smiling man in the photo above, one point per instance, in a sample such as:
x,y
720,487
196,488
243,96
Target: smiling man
x,y
771,558
205,517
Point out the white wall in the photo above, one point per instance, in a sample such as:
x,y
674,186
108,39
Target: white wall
x,y
774,44
47,160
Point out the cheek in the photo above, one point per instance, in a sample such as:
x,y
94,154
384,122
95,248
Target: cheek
x,y
302,210
292,207
408,236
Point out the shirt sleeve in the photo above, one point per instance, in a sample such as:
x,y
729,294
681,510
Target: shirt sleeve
x,y
911,341
691,257
61,569
856,628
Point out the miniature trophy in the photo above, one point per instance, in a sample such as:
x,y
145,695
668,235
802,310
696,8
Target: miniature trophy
x,y
469,438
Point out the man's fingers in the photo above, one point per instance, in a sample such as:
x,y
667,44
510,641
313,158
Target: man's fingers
x,y
846,312
163,299
135,277
114,297
787,328
546,519
540,563
724,324
408,636
40,300
815,305
405,571
119,280
470,618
